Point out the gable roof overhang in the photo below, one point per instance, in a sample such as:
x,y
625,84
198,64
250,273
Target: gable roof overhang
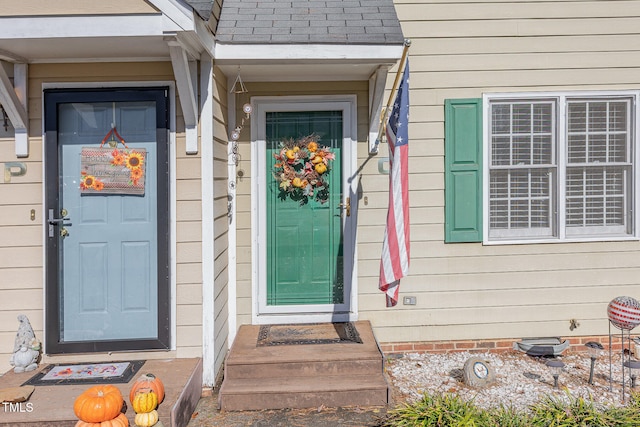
x,y
102,37
315,63
176,33
338,40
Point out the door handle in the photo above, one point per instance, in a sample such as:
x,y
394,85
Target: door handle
x,y
53,221
347,206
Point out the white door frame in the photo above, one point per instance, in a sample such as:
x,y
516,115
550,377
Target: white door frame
x,y
261,313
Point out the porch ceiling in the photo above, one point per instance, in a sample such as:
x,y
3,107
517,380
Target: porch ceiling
x,y
302,72
305,62
71,38
76,49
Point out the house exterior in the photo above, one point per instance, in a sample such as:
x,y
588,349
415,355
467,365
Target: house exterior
x,y
522,171
143,70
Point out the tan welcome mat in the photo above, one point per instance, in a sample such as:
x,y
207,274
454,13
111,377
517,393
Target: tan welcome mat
x,y
86,373
308,333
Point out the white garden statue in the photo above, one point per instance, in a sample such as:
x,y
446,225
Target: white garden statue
x,y
26,349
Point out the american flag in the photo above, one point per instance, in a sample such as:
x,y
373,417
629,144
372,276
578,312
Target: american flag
x,y
394,263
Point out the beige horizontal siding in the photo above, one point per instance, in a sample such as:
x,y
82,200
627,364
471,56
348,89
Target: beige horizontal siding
x,y
513,44
521,27
190,210
70,7
467,290
221,220
24,235
14,277
21,239
483,10
508,330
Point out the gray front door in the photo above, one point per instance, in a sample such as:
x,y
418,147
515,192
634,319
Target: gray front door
x,y
110,287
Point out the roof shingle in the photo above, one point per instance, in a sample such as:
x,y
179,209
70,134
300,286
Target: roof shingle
x,y
309,21
202,7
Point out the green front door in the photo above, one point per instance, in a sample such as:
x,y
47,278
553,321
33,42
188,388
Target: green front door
x,y
304,241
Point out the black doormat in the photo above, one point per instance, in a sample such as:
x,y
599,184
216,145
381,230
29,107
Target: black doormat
x,y
308,333
86,373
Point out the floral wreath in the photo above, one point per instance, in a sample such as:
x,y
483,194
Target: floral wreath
x,y
301,169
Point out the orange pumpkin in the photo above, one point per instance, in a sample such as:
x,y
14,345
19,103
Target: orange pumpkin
x,y
147,382
119,421
145,401
99,403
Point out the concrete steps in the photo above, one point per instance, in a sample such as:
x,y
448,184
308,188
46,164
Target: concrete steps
x,y
303,376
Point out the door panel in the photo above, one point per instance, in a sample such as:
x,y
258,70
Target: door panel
x,y
111,269
304,242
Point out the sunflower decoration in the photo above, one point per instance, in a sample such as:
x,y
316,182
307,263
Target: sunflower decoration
x,y
136,174
118,157
90,182
135,161
132,160
301,169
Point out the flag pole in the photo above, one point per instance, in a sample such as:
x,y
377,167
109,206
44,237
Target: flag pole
x,y
381,129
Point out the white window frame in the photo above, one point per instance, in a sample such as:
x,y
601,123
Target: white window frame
x,y
559,194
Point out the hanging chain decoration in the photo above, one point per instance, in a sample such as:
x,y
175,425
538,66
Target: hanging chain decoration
x,y
238,88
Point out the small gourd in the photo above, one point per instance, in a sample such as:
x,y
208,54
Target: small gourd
x,y
320,168
147,382
146,419
98,403
119,421
144,401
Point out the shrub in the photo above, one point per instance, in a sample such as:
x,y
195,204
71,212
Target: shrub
x,y
449,410
505,416
441,410
568,412
626,416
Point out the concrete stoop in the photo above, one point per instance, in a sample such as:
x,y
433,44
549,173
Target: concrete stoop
x,y
52,405
303,375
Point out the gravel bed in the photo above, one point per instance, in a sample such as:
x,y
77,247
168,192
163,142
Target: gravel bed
x,y
521,380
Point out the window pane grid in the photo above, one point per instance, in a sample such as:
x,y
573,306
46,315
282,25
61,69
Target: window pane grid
x,y
598,138
597,172
596,196
598,131
520,199
522,133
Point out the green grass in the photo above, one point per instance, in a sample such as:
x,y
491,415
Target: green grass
x,y
449,410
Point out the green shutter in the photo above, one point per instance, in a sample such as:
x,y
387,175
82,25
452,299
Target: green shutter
x,y
463,170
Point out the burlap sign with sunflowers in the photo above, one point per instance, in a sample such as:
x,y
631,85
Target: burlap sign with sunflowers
x,y
112,171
